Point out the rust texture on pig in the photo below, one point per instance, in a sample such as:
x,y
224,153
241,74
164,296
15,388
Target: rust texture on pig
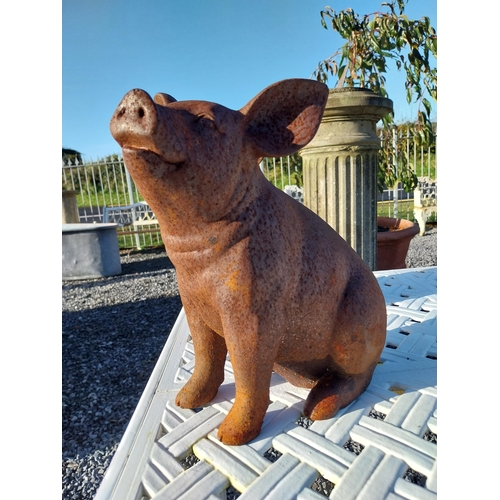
x,y
260,275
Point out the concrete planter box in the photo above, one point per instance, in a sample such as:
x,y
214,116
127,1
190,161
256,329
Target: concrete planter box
x,y
90,251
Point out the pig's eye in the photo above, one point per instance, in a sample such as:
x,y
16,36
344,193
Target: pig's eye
x,y
205,121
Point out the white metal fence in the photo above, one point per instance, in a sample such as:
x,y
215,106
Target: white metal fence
x,y
107,183
422,160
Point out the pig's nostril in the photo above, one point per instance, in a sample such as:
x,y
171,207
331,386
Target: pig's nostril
x,y
141,113
121,112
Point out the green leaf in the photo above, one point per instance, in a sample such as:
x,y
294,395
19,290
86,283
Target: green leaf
x,y
427,106
409,94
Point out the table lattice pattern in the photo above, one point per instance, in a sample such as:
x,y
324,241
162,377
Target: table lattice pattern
x,y
383,445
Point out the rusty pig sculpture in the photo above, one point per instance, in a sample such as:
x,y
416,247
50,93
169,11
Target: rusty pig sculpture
x,y
259,274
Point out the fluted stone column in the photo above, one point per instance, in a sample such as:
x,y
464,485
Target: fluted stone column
x,y
340,167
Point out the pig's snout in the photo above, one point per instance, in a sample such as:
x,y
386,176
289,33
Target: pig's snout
x,y
134,120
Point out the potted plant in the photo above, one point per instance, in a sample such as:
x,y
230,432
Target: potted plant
x,y
372,41
393,240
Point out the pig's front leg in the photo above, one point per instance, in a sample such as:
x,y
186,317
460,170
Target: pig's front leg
x,y
252,355
210,355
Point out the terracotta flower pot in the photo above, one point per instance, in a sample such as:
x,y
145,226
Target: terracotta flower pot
x,y
393,244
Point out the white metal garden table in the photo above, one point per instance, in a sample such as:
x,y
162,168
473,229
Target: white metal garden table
x,y
394,423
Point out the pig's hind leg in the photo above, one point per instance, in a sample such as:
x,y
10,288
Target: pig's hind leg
x,y
210,355
333,392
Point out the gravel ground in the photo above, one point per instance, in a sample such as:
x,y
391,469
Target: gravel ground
x,y
113,330
423,249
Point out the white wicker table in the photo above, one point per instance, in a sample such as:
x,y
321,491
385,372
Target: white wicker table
x,y
383,445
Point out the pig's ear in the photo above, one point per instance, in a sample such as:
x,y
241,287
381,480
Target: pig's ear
x,y
285,116
163,99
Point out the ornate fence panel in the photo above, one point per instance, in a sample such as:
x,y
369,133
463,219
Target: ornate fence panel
x,y
393,201
107,183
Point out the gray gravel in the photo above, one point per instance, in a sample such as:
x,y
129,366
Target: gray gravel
x,y
423,249
113,330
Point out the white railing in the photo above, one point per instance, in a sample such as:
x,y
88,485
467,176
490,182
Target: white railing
x,y
422,160
393,201
107,183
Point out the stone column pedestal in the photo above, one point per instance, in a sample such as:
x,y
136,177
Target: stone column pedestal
x,y
69,207
340,167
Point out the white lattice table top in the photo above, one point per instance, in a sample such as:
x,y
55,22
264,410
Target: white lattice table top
x,y
383,445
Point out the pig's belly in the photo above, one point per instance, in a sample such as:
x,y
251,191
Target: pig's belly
x,y
304,374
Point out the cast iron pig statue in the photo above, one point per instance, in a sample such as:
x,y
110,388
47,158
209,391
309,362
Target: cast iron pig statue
x,y
259,274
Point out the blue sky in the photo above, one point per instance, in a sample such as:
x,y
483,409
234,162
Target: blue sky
x,y
219,50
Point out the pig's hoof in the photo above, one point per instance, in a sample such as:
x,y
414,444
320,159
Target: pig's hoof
x,y
333,392
192,395
328,407
237,430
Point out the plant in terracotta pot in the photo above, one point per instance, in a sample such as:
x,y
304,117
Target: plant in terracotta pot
x,y
393,240
372,42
